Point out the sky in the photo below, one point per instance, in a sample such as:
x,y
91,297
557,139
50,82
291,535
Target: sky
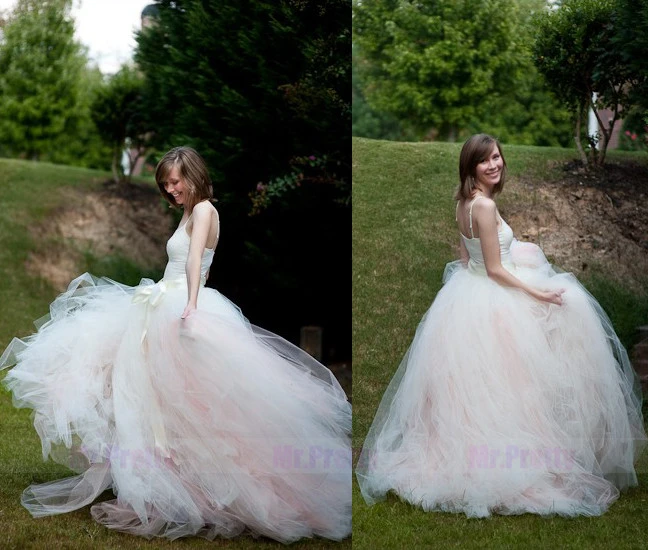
x,y
106,27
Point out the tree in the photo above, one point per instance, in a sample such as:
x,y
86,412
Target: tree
x,y
574,51
84,147
524,111
520,108
631,39
431,63
526,114
120,117
318,100
367,122
258,88
40,69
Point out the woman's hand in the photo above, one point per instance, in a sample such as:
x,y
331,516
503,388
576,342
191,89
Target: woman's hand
x,y
551,296
188,311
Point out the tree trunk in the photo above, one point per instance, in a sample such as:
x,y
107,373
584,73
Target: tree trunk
x,y
577,138
603,142
608,134
115,164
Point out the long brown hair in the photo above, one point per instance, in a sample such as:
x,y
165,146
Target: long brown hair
x,y
475,150
194,173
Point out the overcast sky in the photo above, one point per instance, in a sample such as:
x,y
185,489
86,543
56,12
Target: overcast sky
x,y
106,27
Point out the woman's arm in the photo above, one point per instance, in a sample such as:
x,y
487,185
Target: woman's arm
x,y
485,217
201,223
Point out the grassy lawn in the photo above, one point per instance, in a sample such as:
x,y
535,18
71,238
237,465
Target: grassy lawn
x,y
31,192
403,235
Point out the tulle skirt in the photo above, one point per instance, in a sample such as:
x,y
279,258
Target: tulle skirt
x,y
204,426
507,405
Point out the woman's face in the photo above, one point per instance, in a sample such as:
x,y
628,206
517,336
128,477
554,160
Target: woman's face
x,y
174,185
489,171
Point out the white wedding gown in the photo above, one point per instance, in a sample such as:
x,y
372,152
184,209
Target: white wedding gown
x,y
504,404
205,426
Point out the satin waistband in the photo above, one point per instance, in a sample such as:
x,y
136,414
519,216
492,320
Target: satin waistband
x,y
480,269
151,295
179,279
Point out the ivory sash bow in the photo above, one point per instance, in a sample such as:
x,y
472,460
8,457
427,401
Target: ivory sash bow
x,y
151,296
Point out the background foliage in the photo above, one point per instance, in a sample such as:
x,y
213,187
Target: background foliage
x,y
523,70
47,87
575,51
256,87
261,89
119,118
404,232
445,69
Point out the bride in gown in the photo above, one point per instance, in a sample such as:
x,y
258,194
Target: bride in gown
x,y
200,423
516,395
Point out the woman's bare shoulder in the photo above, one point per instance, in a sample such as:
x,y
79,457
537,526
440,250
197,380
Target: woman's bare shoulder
x,y
205,208
485,205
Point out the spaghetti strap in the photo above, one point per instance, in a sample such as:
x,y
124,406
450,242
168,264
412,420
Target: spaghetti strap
x,y
213,248
472,235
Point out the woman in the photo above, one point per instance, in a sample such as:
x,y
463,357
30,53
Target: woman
x,y
201,423
516,395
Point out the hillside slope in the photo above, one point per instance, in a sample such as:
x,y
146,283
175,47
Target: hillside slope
x,y
404,233
59,221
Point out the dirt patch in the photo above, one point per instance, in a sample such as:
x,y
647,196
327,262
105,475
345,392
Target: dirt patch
x,y
588,219
114,220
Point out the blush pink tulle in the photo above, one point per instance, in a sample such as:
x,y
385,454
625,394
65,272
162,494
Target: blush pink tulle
x,y
505,404
207,426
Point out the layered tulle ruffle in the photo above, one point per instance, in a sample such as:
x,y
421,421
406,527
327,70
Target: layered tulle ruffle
x,y
504,404
205,426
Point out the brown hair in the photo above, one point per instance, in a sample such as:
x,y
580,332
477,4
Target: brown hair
x,y
475,150
193,172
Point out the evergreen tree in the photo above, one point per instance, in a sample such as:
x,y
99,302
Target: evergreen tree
x,y
40,71
262,90
85,147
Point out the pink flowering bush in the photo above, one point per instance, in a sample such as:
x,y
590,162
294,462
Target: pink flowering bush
x,y
309,169
634,135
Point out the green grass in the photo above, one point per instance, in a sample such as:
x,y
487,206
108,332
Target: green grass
x,y
626,308
117,268
403,235
30,193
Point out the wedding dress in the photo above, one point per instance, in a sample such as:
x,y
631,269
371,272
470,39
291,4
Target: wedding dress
x,y
505,404
204,426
